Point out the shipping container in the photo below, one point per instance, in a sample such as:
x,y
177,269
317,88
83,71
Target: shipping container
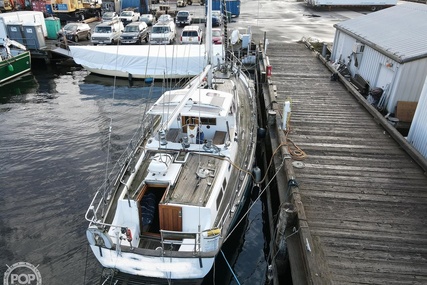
x,y
231,7
20,4
39,5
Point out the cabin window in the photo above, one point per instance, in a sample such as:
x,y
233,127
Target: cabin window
x,y
198,121
208,121
224,184
190,121
219,199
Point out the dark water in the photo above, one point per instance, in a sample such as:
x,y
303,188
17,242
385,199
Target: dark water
x,y
54,134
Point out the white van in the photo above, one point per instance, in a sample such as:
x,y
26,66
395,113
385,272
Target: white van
x,y
107,33
163,33
192,35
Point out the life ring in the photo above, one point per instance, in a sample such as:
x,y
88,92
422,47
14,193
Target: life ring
x,y
98,237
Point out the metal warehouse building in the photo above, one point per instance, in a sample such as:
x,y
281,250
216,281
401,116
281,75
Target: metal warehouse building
x,y
418,132
388,49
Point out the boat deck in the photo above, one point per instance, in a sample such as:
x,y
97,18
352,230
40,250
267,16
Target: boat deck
x,y
195,182
364,197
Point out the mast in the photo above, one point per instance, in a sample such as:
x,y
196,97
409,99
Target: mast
x,y
176,111
225,21
209,46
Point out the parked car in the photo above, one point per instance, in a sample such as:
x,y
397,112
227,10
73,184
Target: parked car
x,y
109,16
75,32
217,36
128,16
201,2
107,33
181,3
216,18
183,18
134,33
165,18
163,33
148,19
192,35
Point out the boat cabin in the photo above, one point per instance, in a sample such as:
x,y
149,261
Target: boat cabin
x,y
207,119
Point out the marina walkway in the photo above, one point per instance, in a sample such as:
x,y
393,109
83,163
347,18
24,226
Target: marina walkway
x,y
360,198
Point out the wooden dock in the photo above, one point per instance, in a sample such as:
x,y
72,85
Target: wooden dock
x,y
358,199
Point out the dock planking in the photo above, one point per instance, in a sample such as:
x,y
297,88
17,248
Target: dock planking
x,y
364,197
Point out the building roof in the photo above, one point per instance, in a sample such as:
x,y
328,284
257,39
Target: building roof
x,y
400,32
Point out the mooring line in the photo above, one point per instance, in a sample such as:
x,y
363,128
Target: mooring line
x,y
231,269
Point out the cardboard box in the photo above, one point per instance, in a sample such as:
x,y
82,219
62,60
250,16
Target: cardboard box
x,y
405,110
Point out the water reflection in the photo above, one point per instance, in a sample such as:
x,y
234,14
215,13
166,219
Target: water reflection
x,y
15,91
53,151
91,78
96,86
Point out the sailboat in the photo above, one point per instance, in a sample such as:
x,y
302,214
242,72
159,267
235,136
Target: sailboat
x,y
181,191
146,61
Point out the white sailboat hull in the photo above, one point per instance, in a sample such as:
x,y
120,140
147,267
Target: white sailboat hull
x,y
152,266
124,74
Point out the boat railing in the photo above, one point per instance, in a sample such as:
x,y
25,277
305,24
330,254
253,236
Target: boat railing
x,y
94,207
100,201
94,217
171,238
197,242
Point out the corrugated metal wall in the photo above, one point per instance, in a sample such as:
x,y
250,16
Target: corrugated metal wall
x,y
417,135
371,63
410,82
342,47
130,4
405,80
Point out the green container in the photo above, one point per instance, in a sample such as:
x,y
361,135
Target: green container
x,y
53,25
